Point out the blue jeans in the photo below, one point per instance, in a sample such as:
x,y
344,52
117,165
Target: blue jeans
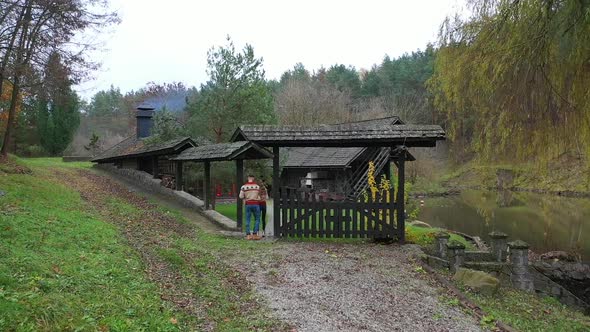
x,y
252,209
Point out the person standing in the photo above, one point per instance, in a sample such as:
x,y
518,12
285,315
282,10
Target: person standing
x,y
250,193
263,198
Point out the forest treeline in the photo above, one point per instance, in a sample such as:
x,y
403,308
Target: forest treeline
x,y
509,81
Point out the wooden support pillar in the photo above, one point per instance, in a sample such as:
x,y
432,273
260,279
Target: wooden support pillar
x,y
401,215
207,185
178,177
275,193
155,169
239,182
388,170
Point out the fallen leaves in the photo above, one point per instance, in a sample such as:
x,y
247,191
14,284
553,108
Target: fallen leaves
x,y
56,269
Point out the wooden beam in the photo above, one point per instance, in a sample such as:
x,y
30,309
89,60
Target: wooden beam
x,y
275,193
401,216
155,169
239,182
207,185
178,177
387,170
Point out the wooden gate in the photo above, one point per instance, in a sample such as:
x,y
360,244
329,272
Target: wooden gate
x,y
305,215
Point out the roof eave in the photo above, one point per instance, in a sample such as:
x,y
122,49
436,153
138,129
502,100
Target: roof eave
x,y
265,154
320,167
169,150
238,135
410,142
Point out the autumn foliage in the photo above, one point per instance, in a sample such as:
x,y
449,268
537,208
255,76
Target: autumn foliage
x,y
5,103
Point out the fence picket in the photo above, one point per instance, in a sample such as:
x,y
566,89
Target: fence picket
x,y
300,216
284,208
355,219
305,215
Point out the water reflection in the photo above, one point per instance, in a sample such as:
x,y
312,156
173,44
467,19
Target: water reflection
x,y
546,222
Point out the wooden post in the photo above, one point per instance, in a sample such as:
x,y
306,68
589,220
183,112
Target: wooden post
x,y
239,181
178,175
275,192
401,216
155,169
388,169
207,185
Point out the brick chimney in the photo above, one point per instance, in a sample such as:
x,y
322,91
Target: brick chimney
x,y
145,122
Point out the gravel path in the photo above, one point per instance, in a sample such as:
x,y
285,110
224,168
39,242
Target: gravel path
x,y
354,287
341,287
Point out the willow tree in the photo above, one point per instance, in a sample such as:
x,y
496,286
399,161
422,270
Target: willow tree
x,y
514,78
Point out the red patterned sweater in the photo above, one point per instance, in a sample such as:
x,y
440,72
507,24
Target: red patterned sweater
x,y
250,192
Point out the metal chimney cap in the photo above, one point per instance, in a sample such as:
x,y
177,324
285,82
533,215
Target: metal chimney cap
x,y
145,107
144,114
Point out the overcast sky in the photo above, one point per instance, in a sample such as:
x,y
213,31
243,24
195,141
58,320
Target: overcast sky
x,y
167,40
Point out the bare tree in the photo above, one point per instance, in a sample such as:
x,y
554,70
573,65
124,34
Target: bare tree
x,y
309,102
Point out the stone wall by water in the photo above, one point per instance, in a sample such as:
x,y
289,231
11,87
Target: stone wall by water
x,y
568,282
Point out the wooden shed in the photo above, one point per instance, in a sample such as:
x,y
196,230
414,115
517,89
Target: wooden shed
x,y
136,152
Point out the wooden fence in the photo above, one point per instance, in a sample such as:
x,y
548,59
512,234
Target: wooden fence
x,y
305,215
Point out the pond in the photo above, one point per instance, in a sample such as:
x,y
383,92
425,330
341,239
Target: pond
x,y
546,222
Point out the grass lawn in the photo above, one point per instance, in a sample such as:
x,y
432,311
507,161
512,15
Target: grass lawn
x,y
229,210
64,268
528,312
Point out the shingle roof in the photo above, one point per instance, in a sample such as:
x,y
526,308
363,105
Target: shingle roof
x,y
321,157
390,120
349,135
224,151
133,147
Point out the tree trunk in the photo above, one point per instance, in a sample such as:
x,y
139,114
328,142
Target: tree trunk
x,y
11,117
20,53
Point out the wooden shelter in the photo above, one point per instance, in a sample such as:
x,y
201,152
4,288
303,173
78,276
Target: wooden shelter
x,y
296,215
136,152
334,173
238,151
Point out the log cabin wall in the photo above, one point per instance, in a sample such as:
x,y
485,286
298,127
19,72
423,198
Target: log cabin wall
x,y
129,163
166,166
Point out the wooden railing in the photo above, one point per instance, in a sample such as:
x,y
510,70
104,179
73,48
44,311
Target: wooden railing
x,y
359,179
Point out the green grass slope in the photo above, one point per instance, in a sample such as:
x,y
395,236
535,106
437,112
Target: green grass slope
x,y
62,268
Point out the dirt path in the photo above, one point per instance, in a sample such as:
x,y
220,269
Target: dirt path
x,y
312,286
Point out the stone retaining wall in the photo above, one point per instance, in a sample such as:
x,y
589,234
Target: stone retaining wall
x,y
506,261
146,181
548,287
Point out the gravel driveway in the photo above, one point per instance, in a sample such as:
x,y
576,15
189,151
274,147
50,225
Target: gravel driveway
x,y
326,286
353,287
